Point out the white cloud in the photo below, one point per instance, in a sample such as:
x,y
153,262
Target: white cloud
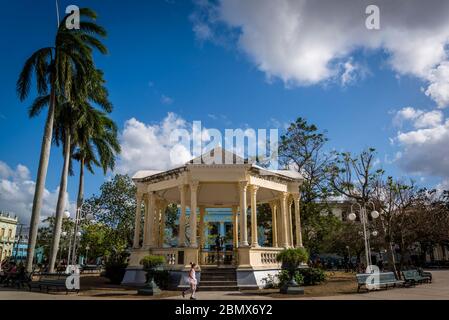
x,y
166,99
148,146
418,118
17,191
304,42
349,74
438,90
425,151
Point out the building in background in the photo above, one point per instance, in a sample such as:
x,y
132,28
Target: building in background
x,y
8,228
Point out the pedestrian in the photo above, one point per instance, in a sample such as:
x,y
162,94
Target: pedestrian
x,y
192,282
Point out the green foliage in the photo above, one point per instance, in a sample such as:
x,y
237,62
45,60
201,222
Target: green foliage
x,y
96,237
115,267
171,219
45,236
312,276
292,258
115,208
152,261
284,277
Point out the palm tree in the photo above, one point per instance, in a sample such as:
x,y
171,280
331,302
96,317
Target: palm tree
x,y
97,144
74,117
53,68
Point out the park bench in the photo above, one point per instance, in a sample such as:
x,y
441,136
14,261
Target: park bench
x,y
412,277
385,279
425,274
50,281
15,280
91,268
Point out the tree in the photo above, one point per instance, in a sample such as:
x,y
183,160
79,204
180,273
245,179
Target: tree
x,y
393,199
425,222
52,68
354,176
302,148
75,118
96,142
45,235
115,207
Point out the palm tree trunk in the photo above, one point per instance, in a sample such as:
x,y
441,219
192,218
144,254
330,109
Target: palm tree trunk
x,y
40,180
80,199
61,204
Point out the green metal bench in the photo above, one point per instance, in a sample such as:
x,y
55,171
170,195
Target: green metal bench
x,y
425,274
412,277
51,281
384,279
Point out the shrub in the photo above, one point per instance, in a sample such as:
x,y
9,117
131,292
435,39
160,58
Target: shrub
x,y
312,276
271,281
115,267
284,277
115,270
151,262
292,258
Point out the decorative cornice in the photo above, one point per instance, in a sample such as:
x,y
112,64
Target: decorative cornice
x,y
164,176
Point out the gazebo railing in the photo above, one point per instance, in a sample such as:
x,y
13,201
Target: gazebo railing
x,y
211,257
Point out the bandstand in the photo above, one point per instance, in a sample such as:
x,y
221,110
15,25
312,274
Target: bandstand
x,y
216,180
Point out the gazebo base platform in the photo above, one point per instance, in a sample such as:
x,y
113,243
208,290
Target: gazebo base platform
x,y
256,265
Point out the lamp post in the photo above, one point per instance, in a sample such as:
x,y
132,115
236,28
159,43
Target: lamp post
x,y
84,212
87,253
364,219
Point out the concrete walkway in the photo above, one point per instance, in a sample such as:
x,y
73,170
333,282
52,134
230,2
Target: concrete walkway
x,y
437,290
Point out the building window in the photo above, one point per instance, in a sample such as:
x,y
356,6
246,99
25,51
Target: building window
x,y
2,232
10,233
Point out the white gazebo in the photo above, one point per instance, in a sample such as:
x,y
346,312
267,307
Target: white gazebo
x,y
217,179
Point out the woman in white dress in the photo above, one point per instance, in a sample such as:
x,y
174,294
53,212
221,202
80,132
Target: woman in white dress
x,y
192,282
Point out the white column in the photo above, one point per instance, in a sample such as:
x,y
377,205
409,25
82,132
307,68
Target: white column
x,y
150,218
235,228
182,218
290,223
283,200
243,185
156,223
145,221
298,232
136,242
162,225
254,240
193,206
274,227
201,227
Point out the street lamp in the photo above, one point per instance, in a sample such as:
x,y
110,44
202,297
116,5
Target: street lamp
x,y
83,213
87,253
364,219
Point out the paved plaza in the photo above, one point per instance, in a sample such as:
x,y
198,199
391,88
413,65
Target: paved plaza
x,y
438,290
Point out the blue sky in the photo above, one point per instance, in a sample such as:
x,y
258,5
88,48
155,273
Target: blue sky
x,y
158,64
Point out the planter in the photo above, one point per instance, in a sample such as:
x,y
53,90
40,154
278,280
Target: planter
x,y
150,288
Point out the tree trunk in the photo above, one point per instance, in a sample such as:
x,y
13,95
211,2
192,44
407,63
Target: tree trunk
x,y
61,204
40,180
80,198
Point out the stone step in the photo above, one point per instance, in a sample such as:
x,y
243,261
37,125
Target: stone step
x,y
218,288
217,276
218,272
217,283
224,270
